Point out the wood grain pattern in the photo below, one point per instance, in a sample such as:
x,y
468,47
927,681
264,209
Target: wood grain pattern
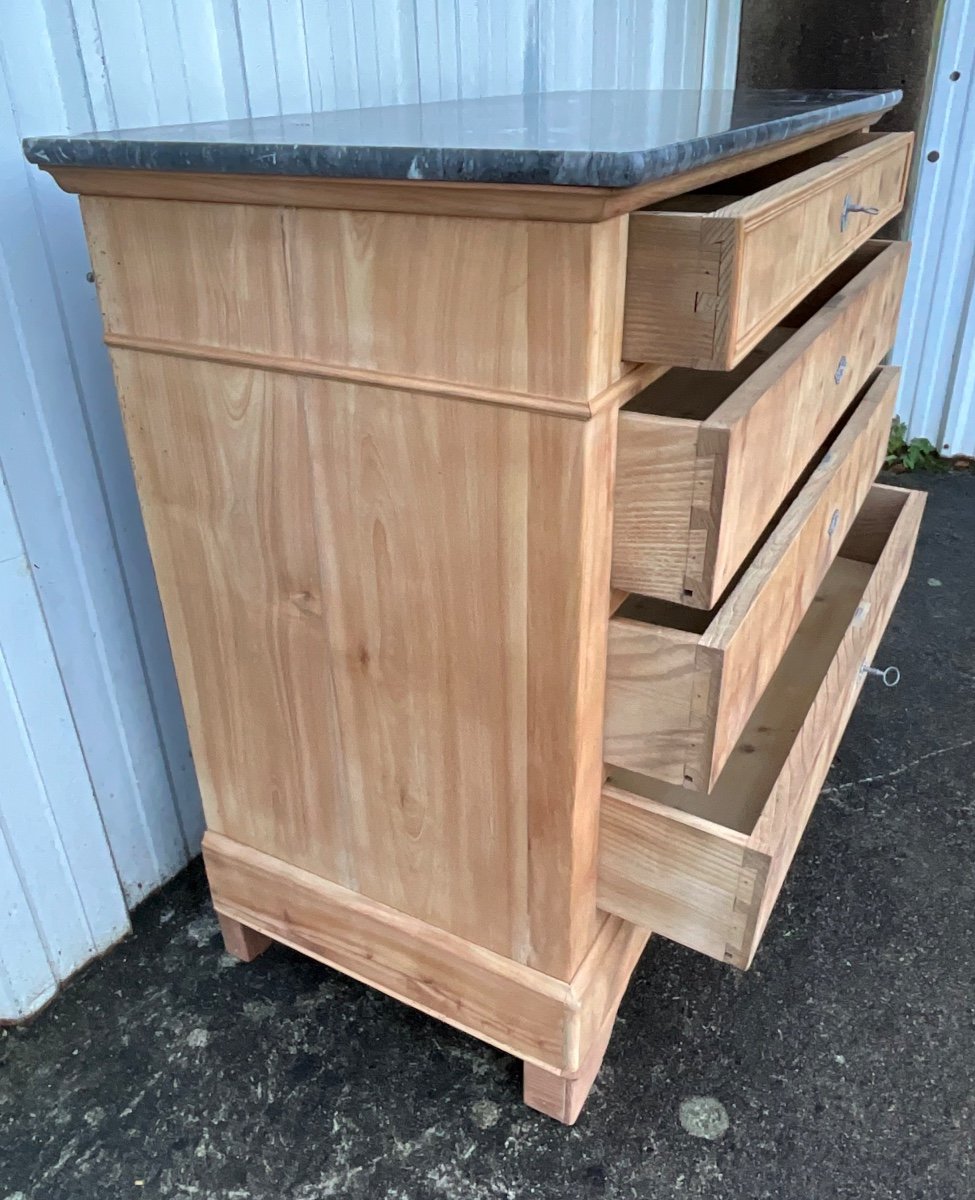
x,y
679,697
705,459
502,201
359,587
532,308
680,274
547,1021
223,467
567,538
704,287
706,870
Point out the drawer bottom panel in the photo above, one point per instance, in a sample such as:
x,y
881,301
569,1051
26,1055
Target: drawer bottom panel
x,y
705,870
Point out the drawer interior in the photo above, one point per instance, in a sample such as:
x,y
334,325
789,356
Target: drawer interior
x,y
743,787
715,196
689,394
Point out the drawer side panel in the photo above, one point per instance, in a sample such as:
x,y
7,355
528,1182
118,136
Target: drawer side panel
x,y
677,279
679,880
655,678
657,472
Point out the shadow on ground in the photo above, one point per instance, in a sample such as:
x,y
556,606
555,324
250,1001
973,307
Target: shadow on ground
x,y
844,1059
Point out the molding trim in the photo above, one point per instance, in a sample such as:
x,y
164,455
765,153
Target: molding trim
x,y
546,1021
634,380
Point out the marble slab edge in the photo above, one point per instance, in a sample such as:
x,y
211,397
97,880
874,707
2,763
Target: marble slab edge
x,y
569,168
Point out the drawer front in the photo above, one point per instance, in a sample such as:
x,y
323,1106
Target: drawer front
x,y
703,287
681,685
693,497
706,870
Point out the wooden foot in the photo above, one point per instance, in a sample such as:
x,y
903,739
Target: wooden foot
x,y
240,940
561,1096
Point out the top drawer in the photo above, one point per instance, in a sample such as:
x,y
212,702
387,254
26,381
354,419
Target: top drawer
x,y
709,274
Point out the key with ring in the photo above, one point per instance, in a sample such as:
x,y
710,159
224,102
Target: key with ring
x,y
850,206
891,676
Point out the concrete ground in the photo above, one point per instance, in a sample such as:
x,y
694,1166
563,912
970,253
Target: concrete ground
x,y
843,1062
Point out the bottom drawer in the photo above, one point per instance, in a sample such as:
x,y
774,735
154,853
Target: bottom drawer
x,y
705,870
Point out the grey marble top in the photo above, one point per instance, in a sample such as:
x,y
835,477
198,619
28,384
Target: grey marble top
x,y
589,139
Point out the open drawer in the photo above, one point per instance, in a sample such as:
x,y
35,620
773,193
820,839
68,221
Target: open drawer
x,y
709,273
706,870
682,683
705,458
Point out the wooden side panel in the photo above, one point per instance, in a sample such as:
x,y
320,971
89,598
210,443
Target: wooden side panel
x,y
224,474
501,303
388,613
772,426
420,510
511,1006
528,307
757,622
684,880
794,233
191,274
678,275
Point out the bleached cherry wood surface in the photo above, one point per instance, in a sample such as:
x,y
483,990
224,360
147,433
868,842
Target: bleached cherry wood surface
x,y
428,703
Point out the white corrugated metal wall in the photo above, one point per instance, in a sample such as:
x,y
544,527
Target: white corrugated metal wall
x,y
936,339
99,803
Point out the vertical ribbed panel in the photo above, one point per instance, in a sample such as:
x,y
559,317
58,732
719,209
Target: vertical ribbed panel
x,y
60,900
936,339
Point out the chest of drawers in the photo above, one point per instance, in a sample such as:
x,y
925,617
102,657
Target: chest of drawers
x,y
517,537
